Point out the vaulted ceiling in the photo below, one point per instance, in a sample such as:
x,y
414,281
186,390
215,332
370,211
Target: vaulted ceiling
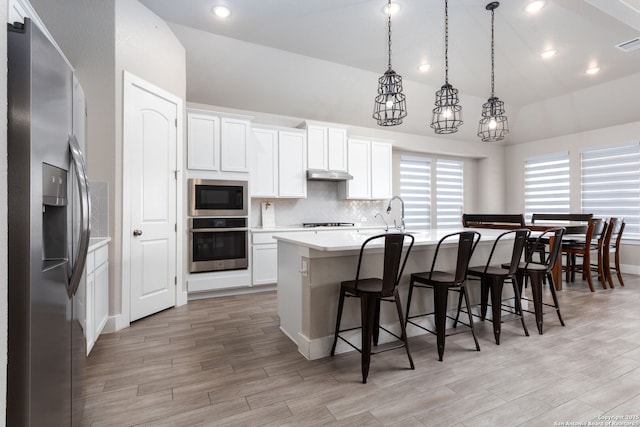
x,y
353,33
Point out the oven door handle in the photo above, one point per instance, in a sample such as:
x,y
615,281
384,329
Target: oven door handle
x,y
216,230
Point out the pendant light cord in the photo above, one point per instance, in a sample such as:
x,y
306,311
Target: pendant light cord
x,y
492,55
446,42
389,31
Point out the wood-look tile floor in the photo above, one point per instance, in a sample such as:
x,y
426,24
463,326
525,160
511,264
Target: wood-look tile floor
x,y
224,362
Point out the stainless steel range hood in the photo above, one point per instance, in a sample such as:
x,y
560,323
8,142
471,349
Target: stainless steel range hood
x,y
322,175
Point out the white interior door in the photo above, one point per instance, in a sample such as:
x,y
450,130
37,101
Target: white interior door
x,y
150,130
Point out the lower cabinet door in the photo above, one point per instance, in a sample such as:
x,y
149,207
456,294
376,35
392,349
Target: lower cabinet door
x,y
265,264
101,299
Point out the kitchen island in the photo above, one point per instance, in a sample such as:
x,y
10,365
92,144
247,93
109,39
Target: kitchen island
x,y
311,266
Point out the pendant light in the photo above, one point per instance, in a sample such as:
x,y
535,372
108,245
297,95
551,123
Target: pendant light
x,y
493,126
390,105
447,116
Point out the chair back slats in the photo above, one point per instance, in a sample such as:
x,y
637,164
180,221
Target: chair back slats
x,y
467,242
554,250
595,232
394,262
613,233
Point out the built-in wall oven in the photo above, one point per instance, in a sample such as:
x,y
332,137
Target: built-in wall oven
x,y
218,244
218,230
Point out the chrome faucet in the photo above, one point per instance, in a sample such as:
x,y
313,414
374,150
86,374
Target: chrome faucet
x,y
386,226
401,227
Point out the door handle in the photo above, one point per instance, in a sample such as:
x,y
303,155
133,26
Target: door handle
x,y
137,233
85,209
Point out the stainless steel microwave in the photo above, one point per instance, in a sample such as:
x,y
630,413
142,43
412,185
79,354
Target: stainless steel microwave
x,y
211,197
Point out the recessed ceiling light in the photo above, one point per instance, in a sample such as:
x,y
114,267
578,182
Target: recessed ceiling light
x,y
534,6
592,70
395,8
548,53
221,11
423,68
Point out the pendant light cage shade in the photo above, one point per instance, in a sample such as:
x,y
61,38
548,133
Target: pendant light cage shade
x,y
493,125
447,116
390,105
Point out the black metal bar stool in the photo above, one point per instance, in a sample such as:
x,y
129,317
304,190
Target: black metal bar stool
x,y
442,282
492,279
373,290
536,271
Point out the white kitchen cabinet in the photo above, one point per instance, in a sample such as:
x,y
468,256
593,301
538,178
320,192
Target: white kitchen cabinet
x,y
327,148
292,165
381,170
203,142
264,163
234,153
96,293
278,166
369,162
337,149
264,259
217,142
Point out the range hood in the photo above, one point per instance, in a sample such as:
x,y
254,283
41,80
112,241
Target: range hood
x,y
322,175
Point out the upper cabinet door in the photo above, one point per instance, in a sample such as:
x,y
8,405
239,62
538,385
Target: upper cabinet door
x,y
381,170
264,163
359,162
292,165
203,142
337,142
234,153
317,147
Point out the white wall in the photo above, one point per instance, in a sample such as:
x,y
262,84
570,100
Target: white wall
x,y
3,215
515,156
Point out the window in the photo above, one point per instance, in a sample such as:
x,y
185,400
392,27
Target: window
x,y
416,178
415,190
611,184
449,186
546,184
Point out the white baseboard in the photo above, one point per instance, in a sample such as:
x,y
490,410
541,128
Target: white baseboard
x,y
115,323
630,269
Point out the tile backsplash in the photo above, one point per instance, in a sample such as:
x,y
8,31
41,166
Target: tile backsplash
x,y
321,205
99,193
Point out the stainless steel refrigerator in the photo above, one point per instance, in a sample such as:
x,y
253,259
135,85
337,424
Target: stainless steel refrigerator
x,y
48,232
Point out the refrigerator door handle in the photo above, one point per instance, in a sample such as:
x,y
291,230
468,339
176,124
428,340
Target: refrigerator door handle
x,y
85,207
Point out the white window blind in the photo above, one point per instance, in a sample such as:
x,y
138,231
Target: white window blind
x,y
611,184
415,190
546,184
449,193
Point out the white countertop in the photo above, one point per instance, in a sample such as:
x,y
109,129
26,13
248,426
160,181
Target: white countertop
x,y
344,240
299,227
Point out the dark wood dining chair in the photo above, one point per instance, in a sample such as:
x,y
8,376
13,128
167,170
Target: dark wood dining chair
x,y
371,291
536,271
593,243
444,281
612,240
492,278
